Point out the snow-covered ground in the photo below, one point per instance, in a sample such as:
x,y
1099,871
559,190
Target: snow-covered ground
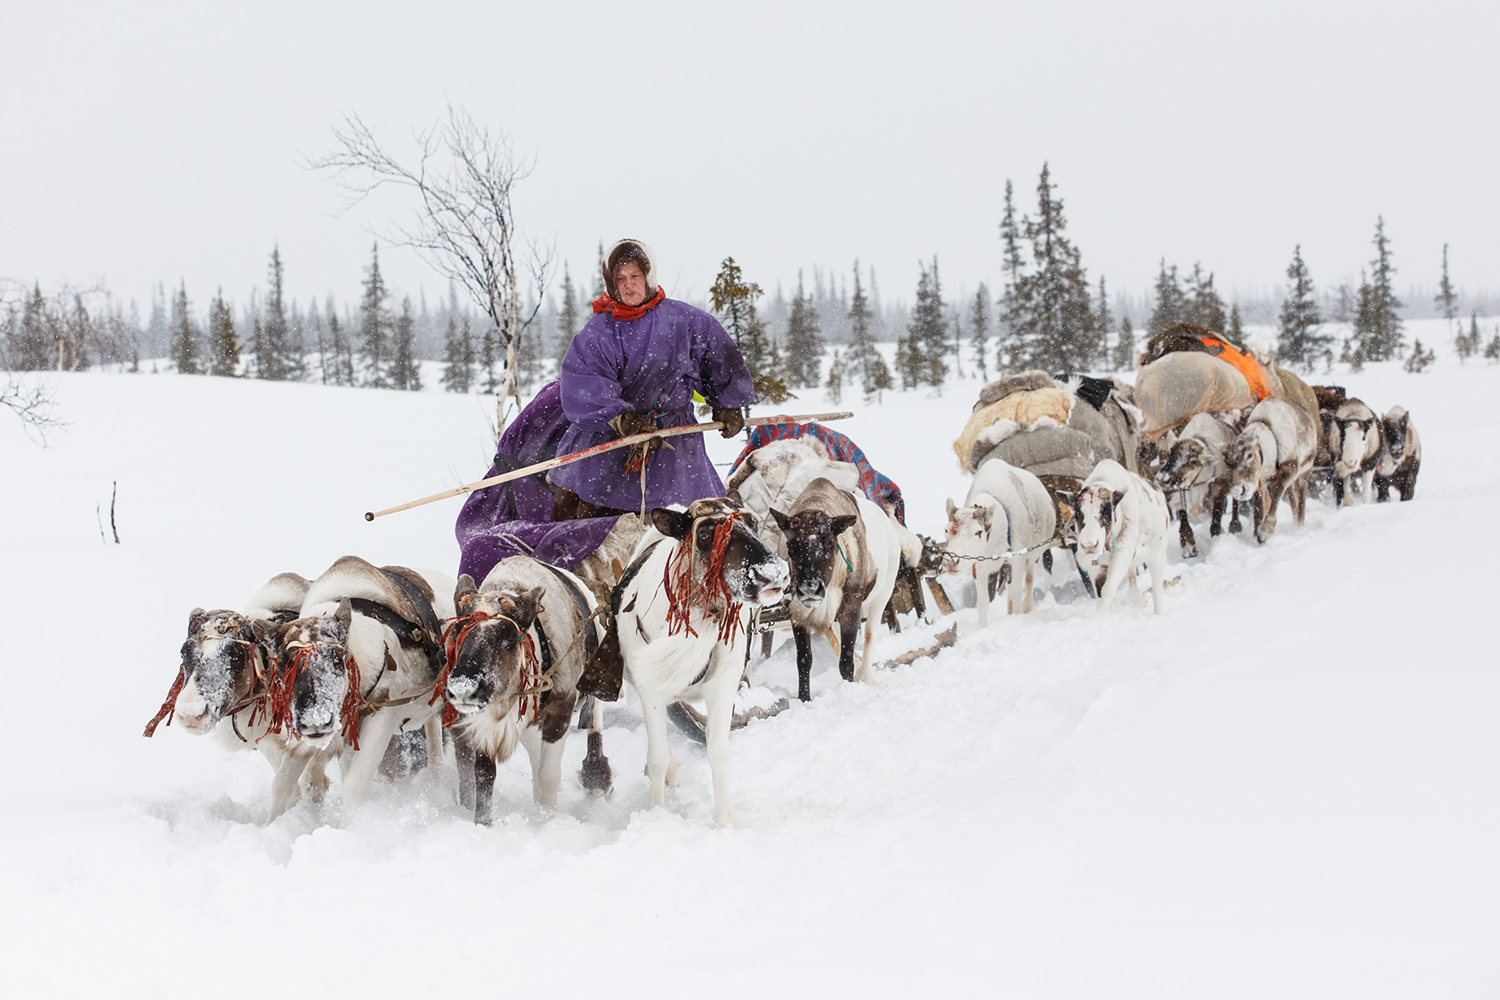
x,y
1284,786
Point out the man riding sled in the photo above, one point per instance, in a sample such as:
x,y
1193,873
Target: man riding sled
x,y
633,368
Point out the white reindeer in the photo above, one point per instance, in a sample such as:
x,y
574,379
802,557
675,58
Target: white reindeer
x,y
681,611
1007,510
1122,524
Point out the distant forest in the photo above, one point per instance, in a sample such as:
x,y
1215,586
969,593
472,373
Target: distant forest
x,y
1043,310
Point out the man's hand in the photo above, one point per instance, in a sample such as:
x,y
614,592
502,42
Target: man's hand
x,y
732,419
628,423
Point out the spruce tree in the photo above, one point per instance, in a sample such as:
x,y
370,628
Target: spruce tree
x,y
488,357
224,343
861,337
733,298
31,346
928,334
1377,330
1446,299
804,340
979,330
1492,349
184,338
374,327
1171,303
1059,330
1300,344
1013,310
1205,307
278,363
1104,321
1465,345
343,350
458,357
1124,359
404,371
1420,358
835,383
568,323
878,378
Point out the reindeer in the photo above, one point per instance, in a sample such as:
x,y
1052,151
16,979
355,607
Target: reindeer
x,y
514,655
1271,456
1401,458
225,683
360,665
682,609
1122,524
844,556
1007,510
1358,452
1194,471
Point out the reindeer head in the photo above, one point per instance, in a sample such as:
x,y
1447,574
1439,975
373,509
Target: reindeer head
x,y
814,552
1189,463
721,536
1395,434
969,531
1095,511
223,663
317,680
1246,465
490,651
1356,435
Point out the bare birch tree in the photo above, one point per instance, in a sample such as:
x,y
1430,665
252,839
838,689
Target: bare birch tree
x,y
464,224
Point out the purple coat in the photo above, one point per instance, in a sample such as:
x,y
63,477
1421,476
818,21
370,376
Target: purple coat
x,y
651,365
515,518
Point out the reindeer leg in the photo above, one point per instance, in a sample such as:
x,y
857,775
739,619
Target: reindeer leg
x,y
463,758
548,778
982,593
1026,602
375,735
1218,497
1156,563
284,785
804,662
848,633
531,739
484,787
1185,534
658,753
719,709
1365,487
596,775
432,730
1234,517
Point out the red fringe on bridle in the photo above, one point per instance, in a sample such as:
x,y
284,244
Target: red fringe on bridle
x,y
286,680
169,707
458,630
683,596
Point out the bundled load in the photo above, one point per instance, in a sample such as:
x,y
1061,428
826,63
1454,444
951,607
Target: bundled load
x,y
1049,426
1190,370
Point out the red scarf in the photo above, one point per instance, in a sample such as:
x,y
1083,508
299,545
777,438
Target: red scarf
x,y
621,311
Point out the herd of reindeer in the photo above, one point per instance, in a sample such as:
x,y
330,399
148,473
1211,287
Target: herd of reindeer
x,y
386,668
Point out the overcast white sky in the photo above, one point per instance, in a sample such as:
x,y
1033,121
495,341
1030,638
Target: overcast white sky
x,y
145,142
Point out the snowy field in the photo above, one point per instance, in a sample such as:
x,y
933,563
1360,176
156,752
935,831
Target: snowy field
x,y
1286,786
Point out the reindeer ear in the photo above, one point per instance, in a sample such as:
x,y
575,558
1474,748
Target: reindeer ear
x,y
952,508
672,523
1117,497
782,521
528,606
986,515
733,496
842,523
345,614
196,618
464,593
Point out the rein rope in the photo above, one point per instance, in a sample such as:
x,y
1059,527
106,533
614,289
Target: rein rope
x,y
683,596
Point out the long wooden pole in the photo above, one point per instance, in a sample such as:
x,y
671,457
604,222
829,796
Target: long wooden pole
x,y
599,449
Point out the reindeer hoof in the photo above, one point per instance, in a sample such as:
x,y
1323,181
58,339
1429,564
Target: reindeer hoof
x,y
596,775
1191,553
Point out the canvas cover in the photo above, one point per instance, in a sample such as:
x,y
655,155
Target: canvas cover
x,y
1047,451
1294,390
1023,408
1170,390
